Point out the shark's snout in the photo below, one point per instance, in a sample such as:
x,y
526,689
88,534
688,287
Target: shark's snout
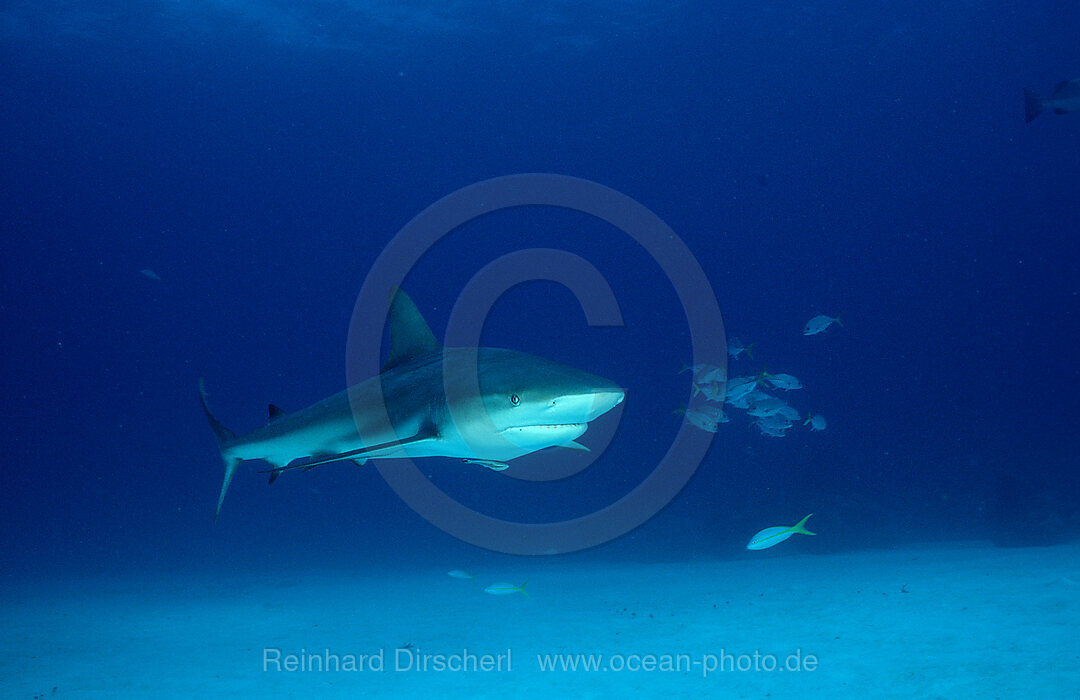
x,y
585,407
604,401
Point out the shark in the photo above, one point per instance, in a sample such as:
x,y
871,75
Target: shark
x,y
482,405
1064,99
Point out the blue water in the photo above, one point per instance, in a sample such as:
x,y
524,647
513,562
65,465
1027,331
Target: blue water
x,y
258,156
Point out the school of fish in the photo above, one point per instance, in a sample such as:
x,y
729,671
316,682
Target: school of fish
x,y
755,395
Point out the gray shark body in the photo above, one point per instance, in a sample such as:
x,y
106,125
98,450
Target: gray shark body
x,y
482,405
1064,99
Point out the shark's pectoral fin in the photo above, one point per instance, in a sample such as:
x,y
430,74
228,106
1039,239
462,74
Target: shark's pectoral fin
x,y
360,462
575,445
490,464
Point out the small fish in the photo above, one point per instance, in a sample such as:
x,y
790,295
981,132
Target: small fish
x,y
774,422
790,413
818,324
772,536
735,348
783,381
703,422
739,402
763,406
712,375
713,391
769,430
1064,99
705,374
740,387
816,422
506,589
150,274
707,418
458,573
694,369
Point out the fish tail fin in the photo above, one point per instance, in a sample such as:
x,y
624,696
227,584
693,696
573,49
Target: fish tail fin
x,y
1033,105
837,319
224,436
800,527
682,407
747,348
684,368
521,588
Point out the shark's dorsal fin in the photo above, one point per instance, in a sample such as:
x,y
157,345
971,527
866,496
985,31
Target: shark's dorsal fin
x,y
274,412
410,336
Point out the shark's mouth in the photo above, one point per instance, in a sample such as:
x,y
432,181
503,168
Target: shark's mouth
x,y
537,437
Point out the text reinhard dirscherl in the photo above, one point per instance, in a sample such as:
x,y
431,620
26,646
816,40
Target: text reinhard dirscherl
x,y
403,659
408,659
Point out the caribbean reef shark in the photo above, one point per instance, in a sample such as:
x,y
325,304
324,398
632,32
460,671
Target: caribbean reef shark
x,y
482,405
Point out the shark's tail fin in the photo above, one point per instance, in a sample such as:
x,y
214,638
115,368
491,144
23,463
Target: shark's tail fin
x,y
1033,105
224,437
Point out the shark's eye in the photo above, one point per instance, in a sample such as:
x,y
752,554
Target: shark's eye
x,y
514,399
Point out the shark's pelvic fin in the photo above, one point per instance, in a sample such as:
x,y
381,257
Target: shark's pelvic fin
x,y
224,438
410,336
575,445
274,412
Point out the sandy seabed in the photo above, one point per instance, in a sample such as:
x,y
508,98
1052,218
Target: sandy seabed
x,y
965,620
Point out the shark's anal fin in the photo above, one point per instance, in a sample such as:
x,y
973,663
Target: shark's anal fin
x,y
490,464
274,412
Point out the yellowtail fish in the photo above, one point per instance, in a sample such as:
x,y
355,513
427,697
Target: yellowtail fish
x,y
772,536
506,589
458,573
